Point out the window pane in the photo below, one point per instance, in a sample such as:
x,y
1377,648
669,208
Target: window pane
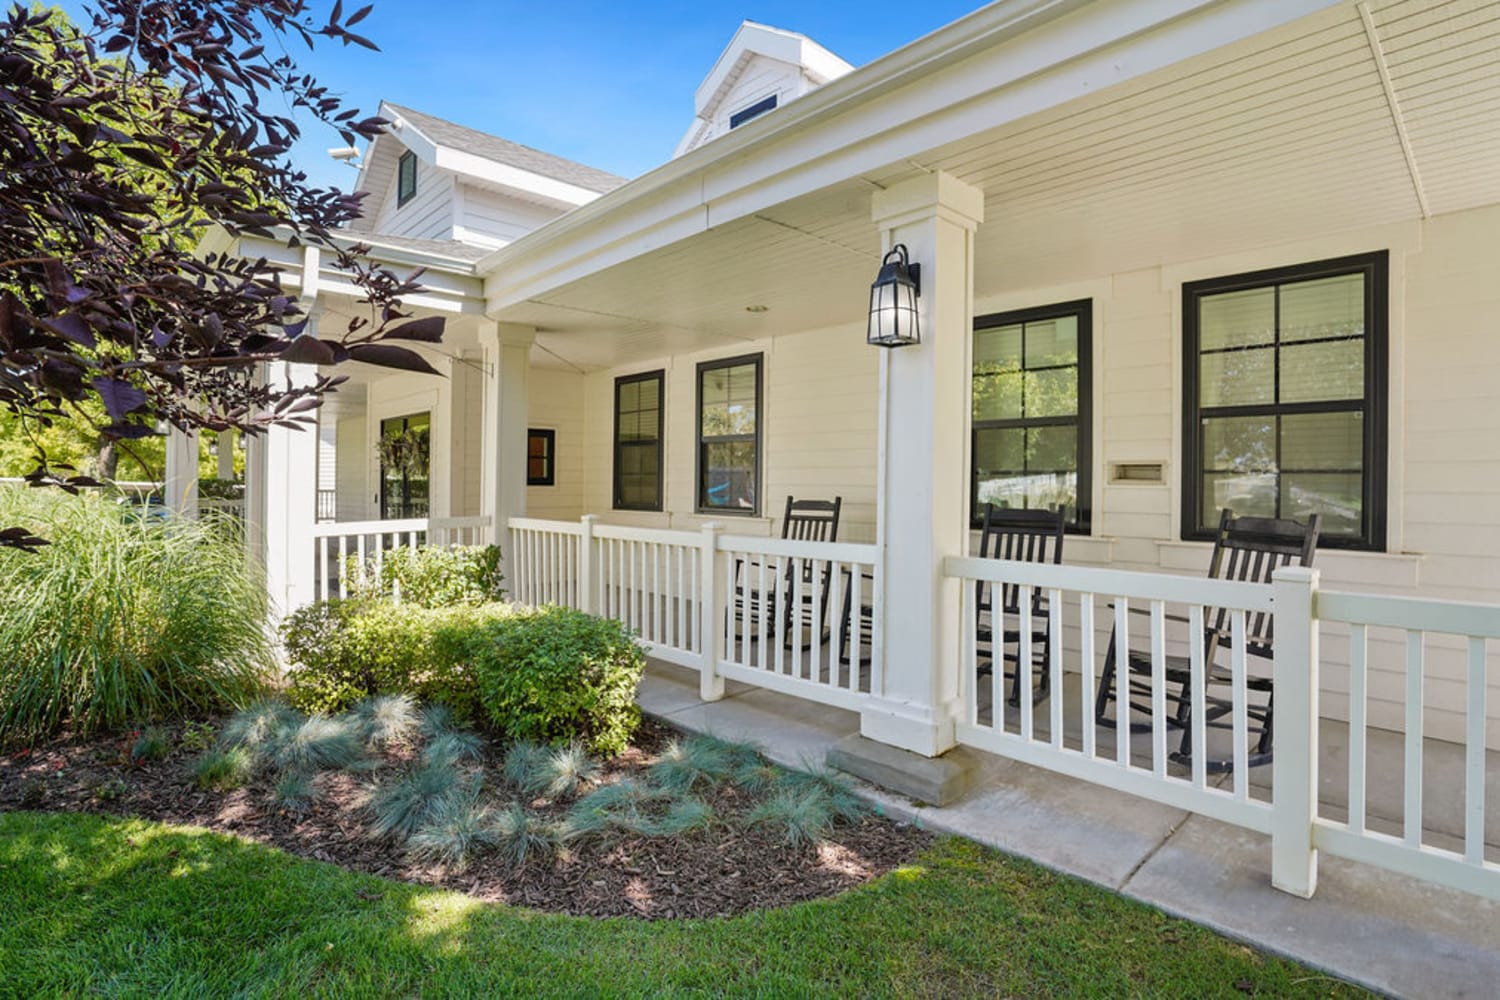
x,y
1251,493
1312,372
630,424
1238,377
742,384
1314,441
1337,496
648,394
997,397
1052,342
536,468
1239,444
536,446
1234,319
997,349
999,450
728,475
1030,490
1052,393
1052,449
715,386
1328,307
629,397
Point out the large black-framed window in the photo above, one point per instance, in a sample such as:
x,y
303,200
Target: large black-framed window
x,y
1031,435
1285,411
638,434
406,178
729,398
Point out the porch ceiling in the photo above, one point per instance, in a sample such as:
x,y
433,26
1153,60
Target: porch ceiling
x,y
1355,116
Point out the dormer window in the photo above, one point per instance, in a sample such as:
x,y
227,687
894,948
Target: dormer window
x,y
406,178
753,111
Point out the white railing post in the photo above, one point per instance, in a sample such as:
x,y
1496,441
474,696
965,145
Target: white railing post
x,y
712,600
1294,792
586,602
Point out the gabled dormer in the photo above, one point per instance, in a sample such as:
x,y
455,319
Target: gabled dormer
x,y
762,69
432,179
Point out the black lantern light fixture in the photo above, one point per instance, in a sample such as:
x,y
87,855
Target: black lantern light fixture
x,y
893,301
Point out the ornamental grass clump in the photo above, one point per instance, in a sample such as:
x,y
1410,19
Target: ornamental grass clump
x,y
387,720
122,618
452,747
694,763
520,836
401,807
627,806
461,826
844,805
255,726
224,769
295,791
152,744
801,816
317,743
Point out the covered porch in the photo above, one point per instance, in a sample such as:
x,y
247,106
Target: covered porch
x,y
1121,171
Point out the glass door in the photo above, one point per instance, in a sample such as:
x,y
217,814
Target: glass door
x,y
405,465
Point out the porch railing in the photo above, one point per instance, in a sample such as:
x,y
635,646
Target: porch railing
x,y
1086,608
335,542
791,616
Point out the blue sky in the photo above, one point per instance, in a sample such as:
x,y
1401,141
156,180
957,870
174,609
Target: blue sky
x,y
608,84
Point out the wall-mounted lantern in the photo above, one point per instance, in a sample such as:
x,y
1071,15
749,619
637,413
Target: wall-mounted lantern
x,y
893,301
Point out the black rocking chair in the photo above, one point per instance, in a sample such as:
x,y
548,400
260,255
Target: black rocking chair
x,y
805,521
1022,535
1247,549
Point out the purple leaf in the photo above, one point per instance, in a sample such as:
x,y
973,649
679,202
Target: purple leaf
x,y
391,356
308,351
428,329
119,396
72,326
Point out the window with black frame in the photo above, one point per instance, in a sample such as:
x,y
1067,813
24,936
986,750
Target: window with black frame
x,y
541,457
1030,436
1285,408
638,431
405,453
406,178
729,435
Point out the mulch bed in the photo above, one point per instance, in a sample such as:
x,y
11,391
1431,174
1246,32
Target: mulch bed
x,y
719,872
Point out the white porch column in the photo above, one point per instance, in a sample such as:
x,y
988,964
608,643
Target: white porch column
x,y
507,366
923,475
286,500
226,455
181,488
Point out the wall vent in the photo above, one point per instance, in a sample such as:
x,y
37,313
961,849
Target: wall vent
x,y
1138,473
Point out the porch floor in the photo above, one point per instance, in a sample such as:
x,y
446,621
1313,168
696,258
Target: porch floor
x,y
1392,933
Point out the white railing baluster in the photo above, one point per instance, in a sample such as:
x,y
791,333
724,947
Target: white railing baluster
x,y
997,656
1197,681
1412,812
1086,657
1023,661
1054,663
1122,681
1158,689
1474,755
1240,702
1358,705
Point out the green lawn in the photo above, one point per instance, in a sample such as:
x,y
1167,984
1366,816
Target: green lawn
x,y
121,907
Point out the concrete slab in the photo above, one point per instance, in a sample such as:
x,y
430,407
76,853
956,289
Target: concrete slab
x,y
1387,931
938,780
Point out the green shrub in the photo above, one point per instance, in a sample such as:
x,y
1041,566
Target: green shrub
x,y
555,675
348,650
122,618
433,576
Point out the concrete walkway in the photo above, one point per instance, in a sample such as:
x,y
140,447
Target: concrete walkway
x,y
1391,933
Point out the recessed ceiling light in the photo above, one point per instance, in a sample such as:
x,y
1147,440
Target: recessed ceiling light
x,y
757,309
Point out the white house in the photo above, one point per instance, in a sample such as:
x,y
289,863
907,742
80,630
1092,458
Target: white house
x,y
1238,253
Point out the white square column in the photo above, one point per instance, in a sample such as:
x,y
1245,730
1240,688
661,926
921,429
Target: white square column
x,y
281,500
924,465
181,487
507,410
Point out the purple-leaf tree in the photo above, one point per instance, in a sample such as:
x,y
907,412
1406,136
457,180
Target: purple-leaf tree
x,y
121,142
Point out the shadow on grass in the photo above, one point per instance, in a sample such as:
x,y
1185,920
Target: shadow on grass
x,y
125,906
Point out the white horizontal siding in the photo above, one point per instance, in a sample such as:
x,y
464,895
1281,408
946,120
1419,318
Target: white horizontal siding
x,y
490,218
429,213
556,400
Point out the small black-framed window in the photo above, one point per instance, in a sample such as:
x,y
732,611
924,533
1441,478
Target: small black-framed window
x,y
638,434
541,457
1031,435
1285,398
753,111
406,178
729,422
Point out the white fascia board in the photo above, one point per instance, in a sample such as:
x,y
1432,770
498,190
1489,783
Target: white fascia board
x,y
480,168
772,42
821,64
1004,62
407,134
444,280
